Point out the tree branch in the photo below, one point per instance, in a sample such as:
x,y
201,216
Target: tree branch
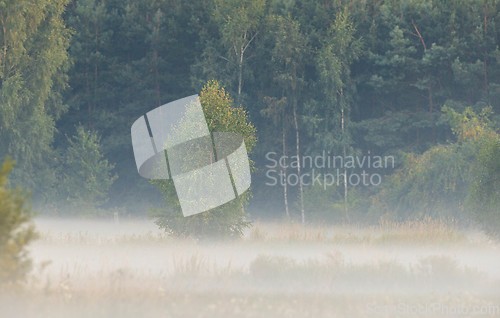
x,y
419,35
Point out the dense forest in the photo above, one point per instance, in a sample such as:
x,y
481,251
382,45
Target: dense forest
x,y
413,81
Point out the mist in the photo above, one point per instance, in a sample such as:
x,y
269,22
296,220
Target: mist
x,y
128,267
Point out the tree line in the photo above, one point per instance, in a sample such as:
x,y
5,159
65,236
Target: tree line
x,y
349,77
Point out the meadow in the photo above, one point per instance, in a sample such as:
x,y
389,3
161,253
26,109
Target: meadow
x,y
89,268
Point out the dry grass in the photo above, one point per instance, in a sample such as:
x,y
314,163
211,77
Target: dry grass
x,y
422,231
425,230
157,303
277,270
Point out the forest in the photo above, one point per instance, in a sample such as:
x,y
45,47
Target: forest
x,y
416,81
370,185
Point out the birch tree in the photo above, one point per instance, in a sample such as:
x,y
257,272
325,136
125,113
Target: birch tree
x,y
240,23
288,56
340,50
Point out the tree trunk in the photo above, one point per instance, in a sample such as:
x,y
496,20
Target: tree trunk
x,y
87,76
485,54
157,79
429,86
156,32
297,140
345,170
431,101
342,124
240,75
4,59
96,71
285,187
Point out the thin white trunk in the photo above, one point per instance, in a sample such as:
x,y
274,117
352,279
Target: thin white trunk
x,y
240,75
285,188
297,140
345,170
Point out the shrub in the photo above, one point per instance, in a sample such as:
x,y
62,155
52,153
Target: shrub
x,y
16,232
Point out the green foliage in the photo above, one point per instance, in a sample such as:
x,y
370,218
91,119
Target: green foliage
x,y
390,132
16,232
341,49
128,57
288,56
222,115
325,204
438,182
85,175
228,220
33,66
469,126
237,25
434,184
485,196
304,56
239,20
475,132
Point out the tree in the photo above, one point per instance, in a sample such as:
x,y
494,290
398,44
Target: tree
x,y
33,65
276,110
129,56
85,175
91,76
288,57
340,50
394,70
16,231
228,220
240,23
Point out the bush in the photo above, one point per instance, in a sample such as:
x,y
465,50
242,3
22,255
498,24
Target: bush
x,y
228,220
438,182
435,184
16,232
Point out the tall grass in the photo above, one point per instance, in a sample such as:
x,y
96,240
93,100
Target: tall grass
x,y
426,230
276,270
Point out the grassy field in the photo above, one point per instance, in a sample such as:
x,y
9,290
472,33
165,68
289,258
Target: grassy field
x,y
87,268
